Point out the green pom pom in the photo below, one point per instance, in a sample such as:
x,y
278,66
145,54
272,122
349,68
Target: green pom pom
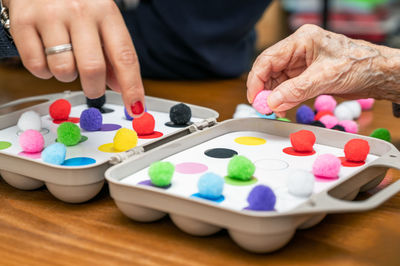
x,y
381,133
161,173
283,119
68,133
241,168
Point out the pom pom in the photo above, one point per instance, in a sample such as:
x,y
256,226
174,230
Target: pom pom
x,y
210,185
144,125
60,109
127,116
356,150
302,141
329,121
161,173
54,154
355,108
322,113
300,183
180,114
381,133
68,133
343,112
366,104
31,141
125,139
325,102
349,126
30,120
260,102
339,128
91,119
96,103
241,168
326,165
261,198
304,115
318,124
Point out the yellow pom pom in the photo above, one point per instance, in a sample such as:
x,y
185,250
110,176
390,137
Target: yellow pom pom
x,y
125,139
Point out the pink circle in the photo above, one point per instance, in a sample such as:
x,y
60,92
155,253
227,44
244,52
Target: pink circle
x,y
191,168
35,155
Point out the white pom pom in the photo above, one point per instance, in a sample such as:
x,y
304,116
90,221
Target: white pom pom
x,y
30,120
355,108
342,112
300,183
243,107
244,113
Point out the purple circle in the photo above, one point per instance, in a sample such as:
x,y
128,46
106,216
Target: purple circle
x,y
191,168
149,183
109,127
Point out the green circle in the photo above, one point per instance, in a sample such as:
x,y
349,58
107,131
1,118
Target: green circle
x,y
237,182
83,139
4,145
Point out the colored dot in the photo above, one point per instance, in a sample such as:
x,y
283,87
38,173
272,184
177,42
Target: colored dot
x,y
108,147
347,163
109,127
35,155
79,161
291,151
171,124
83,139
154,135
74,120
4,145
284,119
191,168
251,141
149,183
220,153
271,164
217,200
237,182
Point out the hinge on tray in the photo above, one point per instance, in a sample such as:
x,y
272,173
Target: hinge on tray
x,y
209,122
120,157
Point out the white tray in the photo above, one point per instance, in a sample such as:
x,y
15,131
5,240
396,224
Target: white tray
x,y
256,231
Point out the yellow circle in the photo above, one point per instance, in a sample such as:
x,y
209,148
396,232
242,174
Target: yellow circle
x,y
252,141
109,147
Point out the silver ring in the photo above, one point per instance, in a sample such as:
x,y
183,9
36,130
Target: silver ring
x,y
58,49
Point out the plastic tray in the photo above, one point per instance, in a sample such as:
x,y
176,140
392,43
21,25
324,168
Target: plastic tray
x,y
256,231
79,183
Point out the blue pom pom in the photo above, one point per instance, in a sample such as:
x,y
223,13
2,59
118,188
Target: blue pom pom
x,y
261,198
210,185
305,115
54,154
91,119
127,116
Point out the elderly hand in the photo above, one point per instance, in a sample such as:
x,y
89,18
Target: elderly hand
x,y
313,61
103,52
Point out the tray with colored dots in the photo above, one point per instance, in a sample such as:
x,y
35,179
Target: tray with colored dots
x,y
244,175
79,175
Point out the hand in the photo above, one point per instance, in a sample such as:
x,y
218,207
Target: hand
x,y
103,52
313,61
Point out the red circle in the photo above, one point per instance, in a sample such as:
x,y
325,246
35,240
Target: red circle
x,y
291,151
154,135
347,163
74,120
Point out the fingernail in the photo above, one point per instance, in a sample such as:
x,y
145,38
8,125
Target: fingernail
x,y
137,108
275,99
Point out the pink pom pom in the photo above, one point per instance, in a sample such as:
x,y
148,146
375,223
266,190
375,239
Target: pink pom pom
x,y
260,102
325,102
350,126
31,141
366,104
329,121
326,165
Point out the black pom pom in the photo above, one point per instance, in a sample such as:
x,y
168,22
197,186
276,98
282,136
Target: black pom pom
x,y
180,114
96,103
317,123
339,127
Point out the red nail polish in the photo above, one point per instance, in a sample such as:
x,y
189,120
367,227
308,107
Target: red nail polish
x,y
137,108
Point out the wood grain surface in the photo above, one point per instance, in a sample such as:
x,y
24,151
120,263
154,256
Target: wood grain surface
x,y
37,229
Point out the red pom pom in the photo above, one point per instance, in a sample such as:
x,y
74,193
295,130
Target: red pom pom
x,y
302,141
321,114
60,109
356,150
144,125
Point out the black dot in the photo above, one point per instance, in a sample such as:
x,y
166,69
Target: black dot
x,y
172,124
220,153
339,128
317,123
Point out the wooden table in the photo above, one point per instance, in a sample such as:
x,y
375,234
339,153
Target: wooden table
x,y
36,228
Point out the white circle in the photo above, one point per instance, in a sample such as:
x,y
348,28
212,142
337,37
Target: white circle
x,y
271,164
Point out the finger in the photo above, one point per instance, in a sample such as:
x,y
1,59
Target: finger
x,y
89,57
122,55
111,79
61,65
32,51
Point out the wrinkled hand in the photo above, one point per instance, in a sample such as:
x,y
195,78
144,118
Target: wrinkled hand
x,y
103,52
313,61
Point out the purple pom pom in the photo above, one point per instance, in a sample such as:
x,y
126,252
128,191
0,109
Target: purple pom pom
x,y
91,119
261,198
304,115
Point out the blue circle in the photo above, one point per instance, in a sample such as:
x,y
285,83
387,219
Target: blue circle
x,y
217,200
79,161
